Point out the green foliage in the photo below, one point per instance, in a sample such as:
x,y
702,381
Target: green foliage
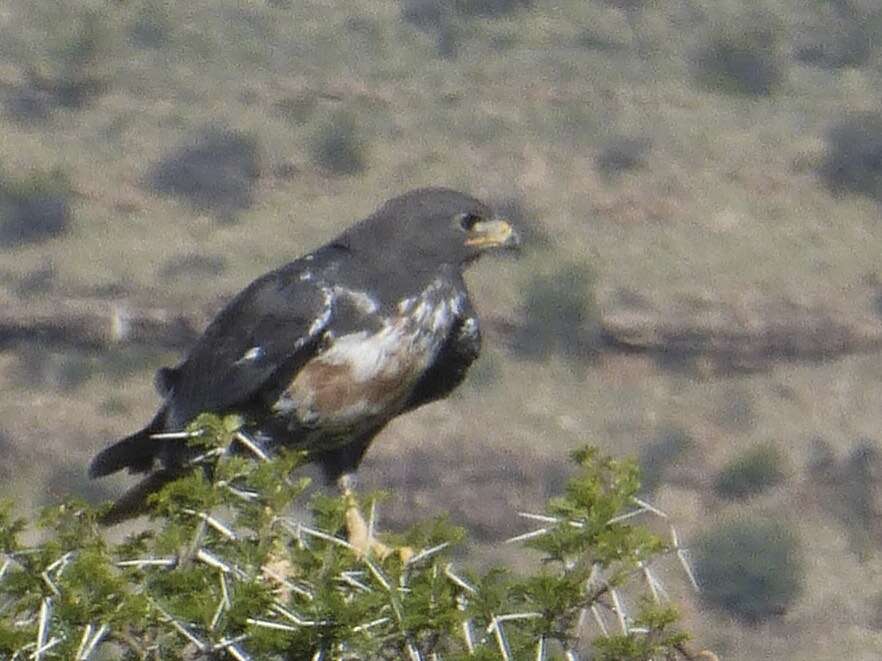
x,y
753,569
753,472
226,571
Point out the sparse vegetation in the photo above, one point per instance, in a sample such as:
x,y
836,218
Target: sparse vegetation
x,y
622,153
668,449
853,162
75,71
753,472
215,172
836,45
192,266
559,315
339,148
34,207
745,62
490,8
751,568
152,26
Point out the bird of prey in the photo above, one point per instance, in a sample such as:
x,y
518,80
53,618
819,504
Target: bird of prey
x,y
323,352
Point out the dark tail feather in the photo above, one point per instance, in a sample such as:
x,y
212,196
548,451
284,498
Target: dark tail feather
x,y
135,452
134,501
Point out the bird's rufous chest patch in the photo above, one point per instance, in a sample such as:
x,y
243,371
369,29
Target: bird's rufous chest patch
x,y
367,376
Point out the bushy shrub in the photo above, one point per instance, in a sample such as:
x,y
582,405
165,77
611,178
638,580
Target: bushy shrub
x,y
753,472
490,8
853,162
745,62
153,26
559,314
751,568
34,207
836,45
339,148
216,171
427,15
622,153
226,573
77,70
297,109
667,449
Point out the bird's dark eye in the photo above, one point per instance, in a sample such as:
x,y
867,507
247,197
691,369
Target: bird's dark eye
x,y
468,220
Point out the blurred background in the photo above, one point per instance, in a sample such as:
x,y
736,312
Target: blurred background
x,y
699,184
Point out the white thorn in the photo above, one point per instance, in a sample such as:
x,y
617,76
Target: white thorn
x,y
619,609
599,619
459,581
43,627
267,624
422,555
527,535
217,525
650,508
251,445
177,434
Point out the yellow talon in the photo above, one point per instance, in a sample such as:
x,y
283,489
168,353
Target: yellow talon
x,y
361,536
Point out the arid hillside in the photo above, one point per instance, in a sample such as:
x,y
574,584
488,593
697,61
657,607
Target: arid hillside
x,y
699,186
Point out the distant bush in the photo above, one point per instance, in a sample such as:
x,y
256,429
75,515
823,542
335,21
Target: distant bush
x,y
7,450
192,265
34,207
339,148
668,448
822,464
559,314
215,172
752,569
836,45
490,8
297,109
737,411
622,153
853,162
427,15
860,485
152,27
434,17
39,281
753,472
74,75
745,62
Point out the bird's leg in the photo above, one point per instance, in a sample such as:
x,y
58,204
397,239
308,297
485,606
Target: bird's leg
x,y
359,531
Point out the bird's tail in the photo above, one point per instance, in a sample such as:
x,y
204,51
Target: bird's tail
x,y
136,452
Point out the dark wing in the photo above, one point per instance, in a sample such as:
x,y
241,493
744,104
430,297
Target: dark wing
x,y
254,346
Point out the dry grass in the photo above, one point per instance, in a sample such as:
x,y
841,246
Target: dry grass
x,y
726,203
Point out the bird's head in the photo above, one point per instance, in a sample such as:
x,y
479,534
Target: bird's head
x,y
434,227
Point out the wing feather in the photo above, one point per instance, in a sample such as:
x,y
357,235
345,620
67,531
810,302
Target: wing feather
x,y
257,342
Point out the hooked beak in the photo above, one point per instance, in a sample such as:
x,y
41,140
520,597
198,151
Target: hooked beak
x,y
496,233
